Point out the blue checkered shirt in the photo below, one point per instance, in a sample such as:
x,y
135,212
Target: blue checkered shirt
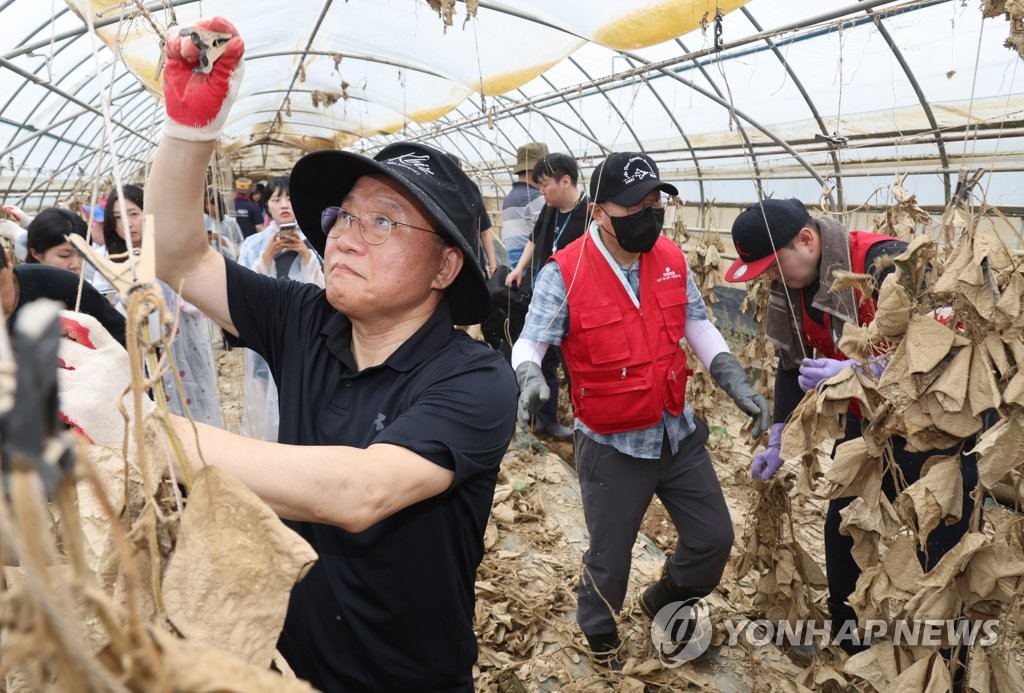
x,y
548,321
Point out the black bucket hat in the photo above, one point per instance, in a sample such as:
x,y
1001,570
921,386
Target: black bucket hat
x,y
433,177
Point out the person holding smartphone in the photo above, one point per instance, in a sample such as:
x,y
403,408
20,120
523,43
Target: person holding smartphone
x,y
281,250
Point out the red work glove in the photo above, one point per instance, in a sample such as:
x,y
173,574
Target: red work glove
x,y
93,375
198,104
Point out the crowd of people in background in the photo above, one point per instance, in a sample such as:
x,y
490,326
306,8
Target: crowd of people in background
x,y
345,280
43,263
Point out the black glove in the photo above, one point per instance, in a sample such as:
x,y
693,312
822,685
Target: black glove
x,y
533,391
731,377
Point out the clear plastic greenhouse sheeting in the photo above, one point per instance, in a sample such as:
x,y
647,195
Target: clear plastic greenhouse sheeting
x,y
796,97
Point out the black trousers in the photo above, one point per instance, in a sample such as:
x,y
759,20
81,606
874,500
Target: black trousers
x,y
842,571
617,490
548,412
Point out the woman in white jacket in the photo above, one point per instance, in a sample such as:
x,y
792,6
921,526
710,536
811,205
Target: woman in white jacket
x,y
280,250
191,346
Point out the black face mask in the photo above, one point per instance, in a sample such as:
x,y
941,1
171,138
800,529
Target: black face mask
x,y
637,233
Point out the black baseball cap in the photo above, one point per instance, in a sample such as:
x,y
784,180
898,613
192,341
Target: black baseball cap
x,y
433,177
625,178
760,232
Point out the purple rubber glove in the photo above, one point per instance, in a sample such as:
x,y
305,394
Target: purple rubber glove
x,y
767,462
813,371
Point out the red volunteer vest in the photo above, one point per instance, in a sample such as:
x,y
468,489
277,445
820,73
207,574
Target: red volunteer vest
x,y
627,366
820,336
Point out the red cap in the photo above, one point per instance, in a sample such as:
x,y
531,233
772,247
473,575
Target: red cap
x,y
760,232
743,271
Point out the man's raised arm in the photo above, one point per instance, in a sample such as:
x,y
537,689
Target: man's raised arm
x,y
197,104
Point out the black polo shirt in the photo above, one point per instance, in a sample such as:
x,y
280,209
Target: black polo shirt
x,y
390,608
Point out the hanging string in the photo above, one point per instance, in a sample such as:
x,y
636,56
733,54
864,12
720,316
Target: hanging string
x,y
1002,125
836,133
108,129
718,60
968,139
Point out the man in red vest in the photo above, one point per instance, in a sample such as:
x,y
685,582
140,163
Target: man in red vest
x,y
619,301
801,255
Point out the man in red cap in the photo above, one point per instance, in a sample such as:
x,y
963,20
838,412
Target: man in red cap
x,y
619,301
801,255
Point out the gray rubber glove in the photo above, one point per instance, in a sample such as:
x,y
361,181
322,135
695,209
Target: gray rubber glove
x,y
533,391
731,377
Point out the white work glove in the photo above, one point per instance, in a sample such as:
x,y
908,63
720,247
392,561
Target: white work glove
x,y
18,213
198,104
93,375
10,230
533,391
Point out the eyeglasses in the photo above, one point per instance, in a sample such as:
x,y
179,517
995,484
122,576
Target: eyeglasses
x,y
650,201
374,227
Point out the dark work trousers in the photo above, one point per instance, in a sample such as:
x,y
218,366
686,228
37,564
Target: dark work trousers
x,y
617,490
842,570
548,413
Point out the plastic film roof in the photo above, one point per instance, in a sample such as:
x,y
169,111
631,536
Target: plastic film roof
x,y
734,98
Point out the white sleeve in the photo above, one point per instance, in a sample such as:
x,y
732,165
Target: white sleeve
x,y
526,350
705,340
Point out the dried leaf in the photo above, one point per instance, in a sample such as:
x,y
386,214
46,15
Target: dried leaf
x,y
1014,392
869,526
994,674
876,665
928,342
231,575
199,667
892,314
1009,303
956,424
997,352
999,450
855,473
954,561
983,389
821,414
936,496
929,675
950,388
993,571
809,570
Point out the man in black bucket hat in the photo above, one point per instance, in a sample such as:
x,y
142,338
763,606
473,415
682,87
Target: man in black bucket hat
x,y
432,179
395,421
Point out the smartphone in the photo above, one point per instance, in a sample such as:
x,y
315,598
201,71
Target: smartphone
x,y
287,228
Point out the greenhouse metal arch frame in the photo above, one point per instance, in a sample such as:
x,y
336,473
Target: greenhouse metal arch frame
x,y
749,100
